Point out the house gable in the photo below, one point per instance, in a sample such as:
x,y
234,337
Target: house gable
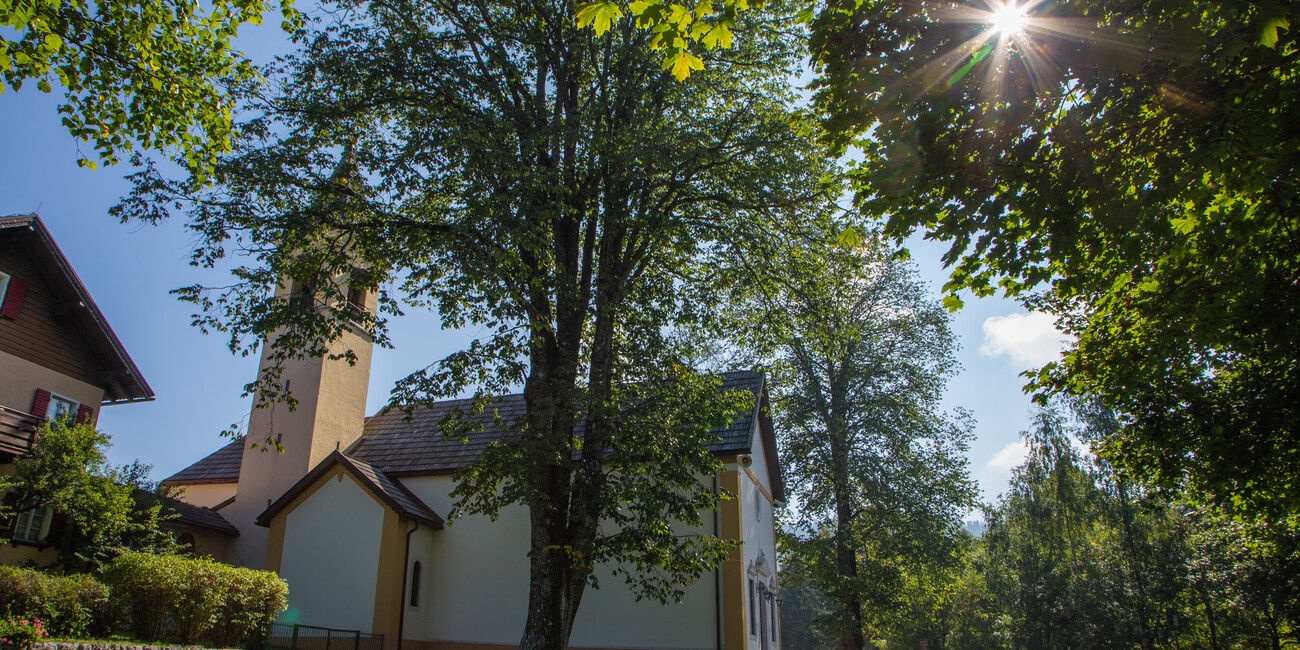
x,y
53,322
387,491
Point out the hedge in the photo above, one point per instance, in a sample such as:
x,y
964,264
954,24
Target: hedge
x,y
194,598
161,597
69,606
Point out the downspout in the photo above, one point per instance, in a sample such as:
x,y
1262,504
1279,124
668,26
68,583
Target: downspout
x,y
717,578
401,598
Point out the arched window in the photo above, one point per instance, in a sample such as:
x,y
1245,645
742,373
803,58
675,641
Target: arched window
x,y
415,584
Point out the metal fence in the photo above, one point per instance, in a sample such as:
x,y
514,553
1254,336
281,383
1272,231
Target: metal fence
x,y
310,637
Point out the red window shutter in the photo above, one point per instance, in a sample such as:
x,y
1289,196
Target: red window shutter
x,y
13,298
84,413
40,403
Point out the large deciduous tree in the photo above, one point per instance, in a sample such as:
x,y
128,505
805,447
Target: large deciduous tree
x,y
1127,166
879,473
548,185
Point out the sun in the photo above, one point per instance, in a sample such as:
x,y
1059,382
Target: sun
x,y
1009,19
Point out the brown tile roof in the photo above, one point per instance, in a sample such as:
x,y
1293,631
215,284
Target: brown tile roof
x,y
417,446
220,466
387,489
188,514
401,447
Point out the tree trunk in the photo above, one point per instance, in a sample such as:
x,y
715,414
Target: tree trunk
x,y
846,559
1209,619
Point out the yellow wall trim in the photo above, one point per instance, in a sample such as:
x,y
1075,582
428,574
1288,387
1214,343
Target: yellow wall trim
x,y
388,584
733,571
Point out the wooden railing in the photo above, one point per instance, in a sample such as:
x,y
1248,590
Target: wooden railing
x,y
17,431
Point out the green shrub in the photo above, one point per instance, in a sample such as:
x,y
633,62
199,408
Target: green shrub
x,y
194,598
253,599
21,633
147,588
73,605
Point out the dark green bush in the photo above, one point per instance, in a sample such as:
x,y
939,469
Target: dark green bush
x,y
194,598
76,605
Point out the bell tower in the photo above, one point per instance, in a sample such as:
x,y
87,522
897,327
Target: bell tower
x,y
330,414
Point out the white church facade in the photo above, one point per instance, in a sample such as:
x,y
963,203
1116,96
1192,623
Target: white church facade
x,y
351,516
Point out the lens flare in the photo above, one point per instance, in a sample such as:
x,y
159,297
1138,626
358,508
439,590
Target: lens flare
x,y
1009,19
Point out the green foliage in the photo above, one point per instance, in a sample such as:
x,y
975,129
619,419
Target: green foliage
x,y
1133,173
880,475
549,188
673,27
70,606
1075,556
21,633
194,598
147,73
67,471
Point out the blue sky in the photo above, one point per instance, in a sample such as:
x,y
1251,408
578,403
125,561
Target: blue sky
x,y
129,270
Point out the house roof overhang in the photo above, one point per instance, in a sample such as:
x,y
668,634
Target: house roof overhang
x,y
122,380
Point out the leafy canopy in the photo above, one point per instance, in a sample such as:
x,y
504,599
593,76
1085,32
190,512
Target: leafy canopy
x,y
135,72
1126,166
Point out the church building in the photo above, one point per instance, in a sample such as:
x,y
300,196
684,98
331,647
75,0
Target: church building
x,y
351,516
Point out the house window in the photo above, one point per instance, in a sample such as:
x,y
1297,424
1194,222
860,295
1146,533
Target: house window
x,y
357,299
61,407
33,525
4,287
415,584
753,612
303,294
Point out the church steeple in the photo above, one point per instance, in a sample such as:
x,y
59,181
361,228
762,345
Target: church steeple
x,y
330,397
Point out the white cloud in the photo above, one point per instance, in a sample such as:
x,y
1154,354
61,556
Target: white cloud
x,y
1030,339
1009,457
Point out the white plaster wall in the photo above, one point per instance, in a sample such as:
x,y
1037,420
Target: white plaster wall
x,y
759,534
475,583
417,620
612,617
331,557
207,494
477,571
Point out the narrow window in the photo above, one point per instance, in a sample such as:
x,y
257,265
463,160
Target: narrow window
x,y
753,613
357,299
415,584
303,294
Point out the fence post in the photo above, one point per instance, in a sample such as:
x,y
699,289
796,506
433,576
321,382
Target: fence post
x,y
329,636
356,645
294,644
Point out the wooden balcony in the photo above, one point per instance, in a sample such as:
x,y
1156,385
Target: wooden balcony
x,y
17,431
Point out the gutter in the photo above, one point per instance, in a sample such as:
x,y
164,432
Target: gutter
x,y
401,598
